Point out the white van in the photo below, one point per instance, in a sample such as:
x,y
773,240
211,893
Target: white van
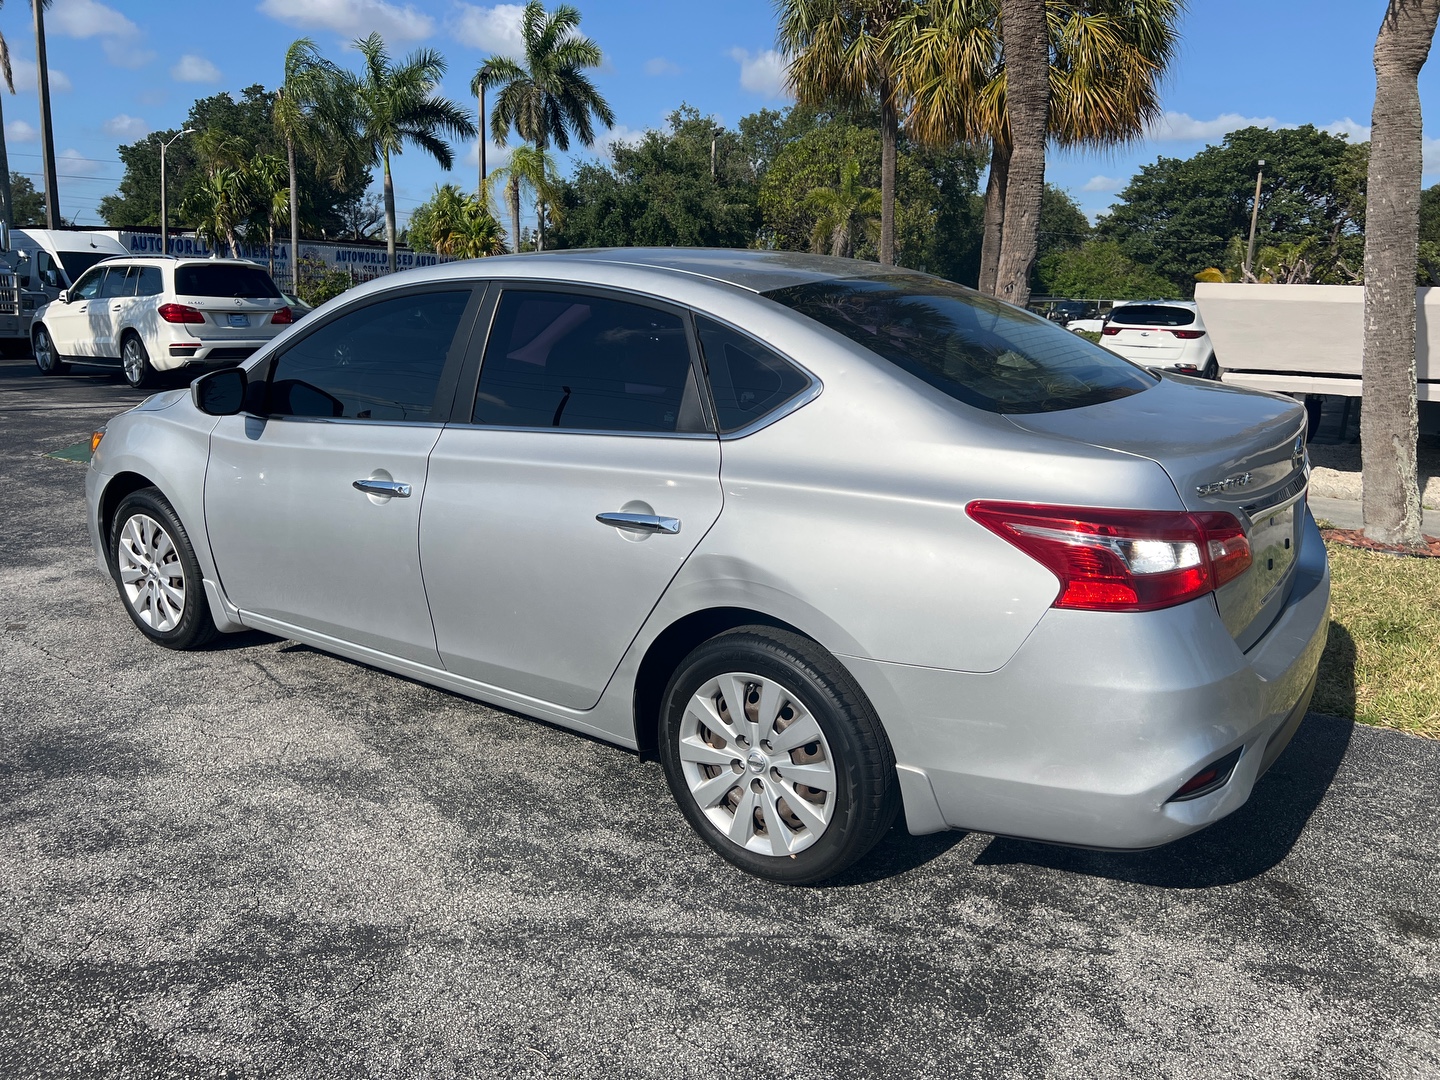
x,y
37,266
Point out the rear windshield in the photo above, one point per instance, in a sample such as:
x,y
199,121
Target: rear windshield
x,y
972,347
1152,315
225,280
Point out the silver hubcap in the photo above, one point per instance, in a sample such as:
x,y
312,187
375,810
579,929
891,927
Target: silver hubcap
x,y
151,573
133,361
757,764
43,356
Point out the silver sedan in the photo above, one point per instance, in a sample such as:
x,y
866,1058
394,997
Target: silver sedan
x,y
834,539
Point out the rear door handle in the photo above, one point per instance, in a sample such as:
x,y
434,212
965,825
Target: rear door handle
x,y
641,522
386,489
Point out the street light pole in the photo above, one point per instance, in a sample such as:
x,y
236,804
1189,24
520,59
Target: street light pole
x,y
164,212
1254,214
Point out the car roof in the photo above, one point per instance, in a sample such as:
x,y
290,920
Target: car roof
x,y
756,271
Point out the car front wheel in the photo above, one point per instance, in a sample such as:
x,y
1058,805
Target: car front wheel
x,y
157,572
135,362
46,358
775,757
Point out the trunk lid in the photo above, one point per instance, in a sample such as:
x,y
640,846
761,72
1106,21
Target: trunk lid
x,y
231,317
1224,449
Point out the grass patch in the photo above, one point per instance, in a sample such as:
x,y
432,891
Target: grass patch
x,y
1382,659
1089,335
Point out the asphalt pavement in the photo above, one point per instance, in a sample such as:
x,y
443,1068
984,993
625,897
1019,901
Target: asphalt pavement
x,y
260,860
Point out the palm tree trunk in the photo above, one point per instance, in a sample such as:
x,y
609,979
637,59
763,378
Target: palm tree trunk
x,y
994,217
515,213
889,136
270,242
1389,428
294,218
389,214
1027,98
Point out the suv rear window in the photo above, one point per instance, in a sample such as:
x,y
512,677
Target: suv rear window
x,y
247,282
1152,315
972,347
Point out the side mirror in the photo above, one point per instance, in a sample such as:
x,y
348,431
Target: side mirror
x,y
219,393
64,297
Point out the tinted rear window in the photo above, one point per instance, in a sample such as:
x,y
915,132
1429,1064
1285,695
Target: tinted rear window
x,y
248,282
1152,315
972,347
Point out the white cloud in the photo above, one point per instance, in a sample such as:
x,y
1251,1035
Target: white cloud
x,y
192,68
1356,133
1182,127
126,127
493,29
86,18
127,54
1103,183
762,73
353,18
19,131
606,141
25,77
660,66
496,157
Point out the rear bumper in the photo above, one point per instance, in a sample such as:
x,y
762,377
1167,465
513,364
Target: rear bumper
x,y
173,355
1084,736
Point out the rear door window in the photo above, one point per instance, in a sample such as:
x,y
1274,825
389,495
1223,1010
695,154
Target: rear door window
x,y
1152,315
972,347
225,280
583,362
114,283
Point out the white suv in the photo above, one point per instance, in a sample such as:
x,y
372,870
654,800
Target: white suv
x,y
155,314
1162,334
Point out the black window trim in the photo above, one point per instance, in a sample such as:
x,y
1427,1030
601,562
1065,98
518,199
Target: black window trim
x,y
797,401
469,384
257,397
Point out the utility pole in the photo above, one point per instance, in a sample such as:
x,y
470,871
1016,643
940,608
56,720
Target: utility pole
x,y
164,214
42,67
1254,214
714,137
482,142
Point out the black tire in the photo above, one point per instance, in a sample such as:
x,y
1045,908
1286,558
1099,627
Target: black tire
x,y
46,358
194,626
1212,370
135,362
866,796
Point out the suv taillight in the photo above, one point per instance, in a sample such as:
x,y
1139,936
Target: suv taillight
x,y
1123,560
1109,331
284,315
179,313
1188,335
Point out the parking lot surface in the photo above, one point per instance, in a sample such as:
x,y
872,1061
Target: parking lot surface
x,y
260,860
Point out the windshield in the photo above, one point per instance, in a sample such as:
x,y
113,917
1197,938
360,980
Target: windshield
x,y
972,347
1152,315
225,279
75,263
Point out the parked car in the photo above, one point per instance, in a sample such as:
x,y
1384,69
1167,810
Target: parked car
x,y
831,537
1168,334
150,314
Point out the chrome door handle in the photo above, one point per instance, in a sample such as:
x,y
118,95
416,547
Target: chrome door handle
x,y
387,489
115,307
641,522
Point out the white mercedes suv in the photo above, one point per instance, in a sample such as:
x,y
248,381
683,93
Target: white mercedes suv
x,y
158,313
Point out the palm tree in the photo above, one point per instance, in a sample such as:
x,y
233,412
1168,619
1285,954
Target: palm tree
x,y
1389,429
218,206
1107,58
7,199
844,51
530,172
304,118
840,210
546,97
391,105
460,225
271,198
1027,109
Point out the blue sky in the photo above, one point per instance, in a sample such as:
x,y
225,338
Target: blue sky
x,y
128,67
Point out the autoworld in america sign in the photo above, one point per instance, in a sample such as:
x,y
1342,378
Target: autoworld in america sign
x,y
362,261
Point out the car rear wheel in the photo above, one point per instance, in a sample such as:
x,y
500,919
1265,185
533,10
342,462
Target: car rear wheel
x,y
775,757
135,362
157,573
46,358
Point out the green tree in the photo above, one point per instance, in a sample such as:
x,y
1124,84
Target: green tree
x,y
305,116
842,212
1098,270
272,195
529,172
454,223
218,206
27,204
845,51
392,105
1179,216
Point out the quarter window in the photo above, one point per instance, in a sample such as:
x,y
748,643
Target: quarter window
x,y
380,362
747,380
587,363
151,283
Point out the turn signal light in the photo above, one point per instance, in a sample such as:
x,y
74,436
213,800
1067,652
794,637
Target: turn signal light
x,y
95,437
179,313
284,315
1123,560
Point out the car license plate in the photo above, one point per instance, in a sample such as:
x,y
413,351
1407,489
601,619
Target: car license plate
x,y
239,320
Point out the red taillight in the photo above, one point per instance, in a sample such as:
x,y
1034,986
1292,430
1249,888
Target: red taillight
x,y
179,313
284,315
1188,335
1109,331
1123,560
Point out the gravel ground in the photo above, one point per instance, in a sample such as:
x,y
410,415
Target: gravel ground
x,y
264,861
